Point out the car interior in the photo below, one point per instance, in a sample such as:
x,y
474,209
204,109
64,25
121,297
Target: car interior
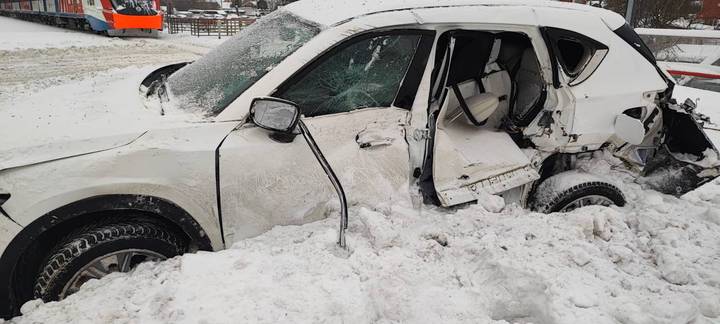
x,y
487,87
490,77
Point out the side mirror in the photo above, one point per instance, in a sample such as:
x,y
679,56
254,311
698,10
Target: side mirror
x,y
275,114
629,129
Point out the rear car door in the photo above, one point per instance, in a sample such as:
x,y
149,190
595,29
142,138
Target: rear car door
x,y
355,100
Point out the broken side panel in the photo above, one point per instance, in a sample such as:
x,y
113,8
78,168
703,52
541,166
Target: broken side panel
x,y
688,158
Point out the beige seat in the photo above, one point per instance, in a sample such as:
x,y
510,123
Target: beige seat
x,y
481,106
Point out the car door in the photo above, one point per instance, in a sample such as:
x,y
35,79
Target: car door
x,y
355,100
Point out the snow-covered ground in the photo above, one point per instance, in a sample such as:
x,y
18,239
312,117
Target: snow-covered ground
x,y
656,260
653,261
31,52
17,34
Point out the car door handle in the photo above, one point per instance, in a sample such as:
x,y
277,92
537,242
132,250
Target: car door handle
x,y
370,138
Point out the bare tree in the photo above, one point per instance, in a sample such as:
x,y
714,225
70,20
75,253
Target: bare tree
x,y
658,13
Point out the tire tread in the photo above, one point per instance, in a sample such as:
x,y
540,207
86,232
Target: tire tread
x,y
553,203
85,238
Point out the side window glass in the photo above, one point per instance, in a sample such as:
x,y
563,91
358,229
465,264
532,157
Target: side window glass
x,y
366,73
578,55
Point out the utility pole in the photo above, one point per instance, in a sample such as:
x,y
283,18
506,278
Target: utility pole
x,y
630,11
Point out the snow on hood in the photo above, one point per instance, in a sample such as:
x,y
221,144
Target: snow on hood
x,y
62,118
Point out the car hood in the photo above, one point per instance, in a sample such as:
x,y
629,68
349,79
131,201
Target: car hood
x,y
33,153
31,140
75,117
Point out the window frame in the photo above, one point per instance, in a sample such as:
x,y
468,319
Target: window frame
x,y
410,83
597,53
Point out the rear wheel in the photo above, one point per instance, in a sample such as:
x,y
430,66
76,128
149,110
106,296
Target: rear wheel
x,y
571,190
97,250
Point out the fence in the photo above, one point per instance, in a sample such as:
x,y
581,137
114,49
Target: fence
x,y
207,27
691,56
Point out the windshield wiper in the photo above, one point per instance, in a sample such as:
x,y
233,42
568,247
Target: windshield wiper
x,y
162,94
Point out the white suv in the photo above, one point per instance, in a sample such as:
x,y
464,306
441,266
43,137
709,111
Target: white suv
x,y
459,98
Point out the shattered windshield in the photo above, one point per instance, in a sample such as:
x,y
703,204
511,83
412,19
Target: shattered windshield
x,y
211,83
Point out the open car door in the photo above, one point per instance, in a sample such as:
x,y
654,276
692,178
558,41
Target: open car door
x,y
472,155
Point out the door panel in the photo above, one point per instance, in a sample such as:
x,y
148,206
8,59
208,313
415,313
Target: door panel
x,y
264,183
470,161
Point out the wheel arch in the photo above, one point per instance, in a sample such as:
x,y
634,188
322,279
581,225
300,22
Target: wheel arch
x,y
18,259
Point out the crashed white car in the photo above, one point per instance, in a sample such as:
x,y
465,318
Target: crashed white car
x,y
457,100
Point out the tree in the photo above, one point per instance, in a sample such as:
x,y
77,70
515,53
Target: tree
x,y
658,13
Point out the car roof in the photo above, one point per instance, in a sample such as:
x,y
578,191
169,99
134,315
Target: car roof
x,y
334,12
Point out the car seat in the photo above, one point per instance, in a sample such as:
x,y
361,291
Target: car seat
x,y
471,51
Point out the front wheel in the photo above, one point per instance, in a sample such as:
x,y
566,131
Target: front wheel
x,y
571,190
97,250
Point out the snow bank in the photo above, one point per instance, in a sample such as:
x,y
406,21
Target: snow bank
x,y
653,261
19,34
185,39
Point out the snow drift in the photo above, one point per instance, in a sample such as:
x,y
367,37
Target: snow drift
x,y
654,261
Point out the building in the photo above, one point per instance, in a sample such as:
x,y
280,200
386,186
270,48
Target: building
x,y
710,12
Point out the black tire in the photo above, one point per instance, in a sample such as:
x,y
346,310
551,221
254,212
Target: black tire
x,y
86,245
551,197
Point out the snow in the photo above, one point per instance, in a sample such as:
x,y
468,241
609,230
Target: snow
x,y
19,34
215,80
181,39
707,101
56,91
655,260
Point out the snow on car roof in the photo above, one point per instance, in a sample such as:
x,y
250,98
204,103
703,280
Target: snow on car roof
x,y
332,12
